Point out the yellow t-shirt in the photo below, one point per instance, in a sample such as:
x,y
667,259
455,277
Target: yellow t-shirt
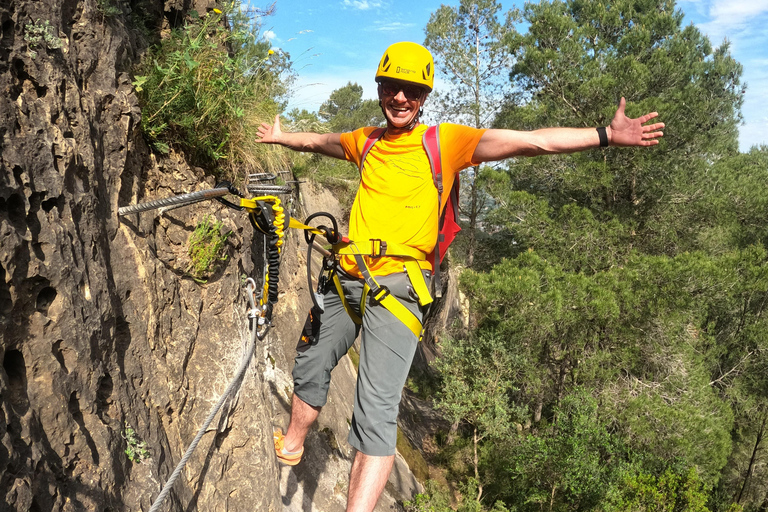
x,y
397,198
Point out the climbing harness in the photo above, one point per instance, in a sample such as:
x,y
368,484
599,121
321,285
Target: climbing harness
x,y
343,246
375,248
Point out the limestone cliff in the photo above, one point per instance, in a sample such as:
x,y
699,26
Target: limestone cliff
x,y
101,328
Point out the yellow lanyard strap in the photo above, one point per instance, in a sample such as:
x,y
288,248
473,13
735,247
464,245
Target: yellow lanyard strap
x,y
382,296
416,276
298,225
344,301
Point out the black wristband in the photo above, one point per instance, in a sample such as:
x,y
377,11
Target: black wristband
x,y
603,137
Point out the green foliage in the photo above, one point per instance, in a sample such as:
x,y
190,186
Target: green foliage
x,y
40,35
346,110
438,499
207,87
577,60
109,8
135,448
471,48
423,382
433,499
728,208
662,342
570,463
206,248
628,286
477,380
668,492
747,473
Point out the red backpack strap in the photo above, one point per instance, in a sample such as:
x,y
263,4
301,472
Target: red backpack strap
x,y
431,142
372,139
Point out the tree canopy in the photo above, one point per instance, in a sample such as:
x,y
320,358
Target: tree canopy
x,y
622,291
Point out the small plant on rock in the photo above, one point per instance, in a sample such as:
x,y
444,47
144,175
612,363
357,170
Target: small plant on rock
x,y
135,448
40,35
109,8
206,247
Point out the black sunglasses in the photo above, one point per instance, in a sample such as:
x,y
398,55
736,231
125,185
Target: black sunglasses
x,y
411,92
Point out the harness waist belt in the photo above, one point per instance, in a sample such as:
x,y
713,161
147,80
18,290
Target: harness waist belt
x,y
377,248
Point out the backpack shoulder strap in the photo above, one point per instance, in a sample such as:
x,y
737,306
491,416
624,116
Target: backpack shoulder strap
x,y
431,141
372,139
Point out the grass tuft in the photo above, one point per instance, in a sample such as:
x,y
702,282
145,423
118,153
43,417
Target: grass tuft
x,y
208,86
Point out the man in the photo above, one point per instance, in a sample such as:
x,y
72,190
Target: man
x,y
397,203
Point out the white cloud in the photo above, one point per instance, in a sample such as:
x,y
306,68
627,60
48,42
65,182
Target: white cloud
x,y
391,27
742,23
361,5
730,18
736,12
269,35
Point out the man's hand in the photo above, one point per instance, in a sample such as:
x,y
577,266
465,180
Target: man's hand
x,y
270,134
624,131
324,143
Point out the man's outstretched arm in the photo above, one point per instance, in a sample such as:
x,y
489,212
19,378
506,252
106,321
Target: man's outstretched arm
x,y
324,143
623,131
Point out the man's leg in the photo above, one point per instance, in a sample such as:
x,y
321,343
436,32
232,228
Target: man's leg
x,y
366,481
387,349
327,336
302,417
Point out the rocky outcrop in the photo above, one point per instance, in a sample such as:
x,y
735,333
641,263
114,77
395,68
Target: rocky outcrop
x,y
103,331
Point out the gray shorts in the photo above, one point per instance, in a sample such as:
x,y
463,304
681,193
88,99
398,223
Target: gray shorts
x,y
387,349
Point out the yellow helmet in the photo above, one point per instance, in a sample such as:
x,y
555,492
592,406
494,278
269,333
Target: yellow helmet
x,y
407,62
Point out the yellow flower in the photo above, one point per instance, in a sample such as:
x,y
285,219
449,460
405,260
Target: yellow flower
x,y
217,11
271,52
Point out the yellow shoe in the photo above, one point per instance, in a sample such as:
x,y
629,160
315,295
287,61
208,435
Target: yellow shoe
x,y
283,455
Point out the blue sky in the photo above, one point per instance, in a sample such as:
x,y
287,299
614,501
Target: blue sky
x,y
338,41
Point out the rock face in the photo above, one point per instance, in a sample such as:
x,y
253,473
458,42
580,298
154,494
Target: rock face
x,y
102,330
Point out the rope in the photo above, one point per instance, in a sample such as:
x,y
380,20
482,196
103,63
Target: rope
x,y
183,199
235,383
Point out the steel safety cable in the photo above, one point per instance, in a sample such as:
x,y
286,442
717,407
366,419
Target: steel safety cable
x,y
233,385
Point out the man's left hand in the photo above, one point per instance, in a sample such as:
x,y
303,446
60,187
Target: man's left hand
x,y
624,131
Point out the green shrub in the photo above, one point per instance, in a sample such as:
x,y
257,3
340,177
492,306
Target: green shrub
x,y
206,247
433,499
208,86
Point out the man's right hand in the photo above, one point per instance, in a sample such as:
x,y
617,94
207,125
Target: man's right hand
x,y
324,143
270,133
